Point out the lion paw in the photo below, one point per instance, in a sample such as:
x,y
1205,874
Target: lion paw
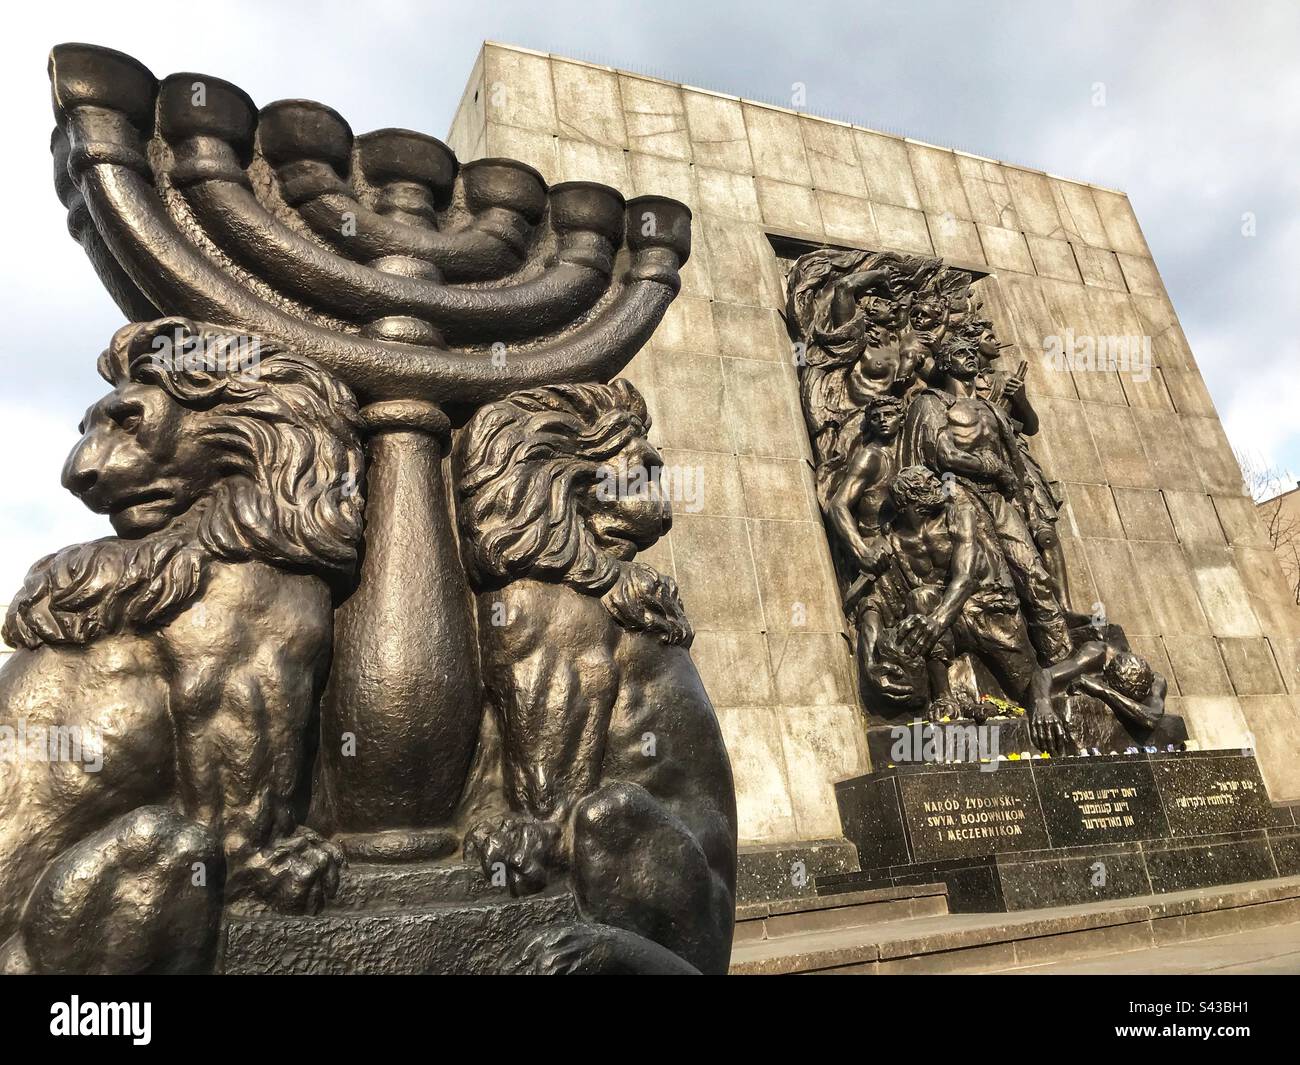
x,y
559,951
516,852
295,874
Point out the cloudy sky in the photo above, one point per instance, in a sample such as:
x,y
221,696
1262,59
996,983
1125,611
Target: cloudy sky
x,y
1201,125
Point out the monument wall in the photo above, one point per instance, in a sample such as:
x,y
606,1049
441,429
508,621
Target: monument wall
x,y
1158,532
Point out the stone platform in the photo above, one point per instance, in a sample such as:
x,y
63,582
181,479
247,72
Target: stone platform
x,y
1045,832
419,918
986,943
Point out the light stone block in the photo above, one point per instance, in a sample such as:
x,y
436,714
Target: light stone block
x,y
1240,519
781,489
656,175
1052,258
716,573
753,738
726,194
1194,517
1073,455
796,598
776,145
1112,565
717,127
1099,267
1122,231
1286,656
467,126
1212,455
810,668
1269,719
1197,664
588,105
1035,205
1215,722
887,169
987,193
1166,448
1251,666
1123,458
1188,391
760,410
1156,314
737,260
832,158
789,208
734,668
684,394
900,229
1143,514
955,239
1092,511
1005,249
535,148
687,325
1140,275
751,333
1262,575
1078,213
1222,593
1173,592
847,220
711,479
519,91
1074,314
822,744
585,161
1082,587
655,118
937,181
697,278
1027,309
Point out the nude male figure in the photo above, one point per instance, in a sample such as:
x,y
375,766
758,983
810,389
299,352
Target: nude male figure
x,y
1118,678
961,596
862,498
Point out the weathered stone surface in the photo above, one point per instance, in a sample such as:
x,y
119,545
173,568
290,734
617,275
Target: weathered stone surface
x,y
450,938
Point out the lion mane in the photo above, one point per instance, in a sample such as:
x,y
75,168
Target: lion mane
x,y
526,465
287,436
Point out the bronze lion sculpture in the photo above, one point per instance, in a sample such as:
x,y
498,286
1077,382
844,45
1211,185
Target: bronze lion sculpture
x,y
614,767
187,653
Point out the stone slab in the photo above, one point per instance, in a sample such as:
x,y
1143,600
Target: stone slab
x,y
462,939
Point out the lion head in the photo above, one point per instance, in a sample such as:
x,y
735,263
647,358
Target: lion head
x,y
560,484
210,446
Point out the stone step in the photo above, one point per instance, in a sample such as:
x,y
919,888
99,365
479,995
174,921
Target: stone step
x,y
964,943
777,918
452,938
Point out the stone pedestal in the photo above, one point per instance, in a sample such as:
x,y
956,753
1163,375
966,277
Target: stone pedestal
x,y
411,919
1049,832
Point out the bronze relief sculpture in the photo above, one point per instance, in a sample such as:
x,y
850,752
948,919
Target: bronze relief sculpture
x,y
942,523
316,641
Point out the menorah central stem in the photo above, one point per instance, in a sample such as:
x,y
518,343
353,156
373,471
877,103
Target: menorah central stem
x,y
401,715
